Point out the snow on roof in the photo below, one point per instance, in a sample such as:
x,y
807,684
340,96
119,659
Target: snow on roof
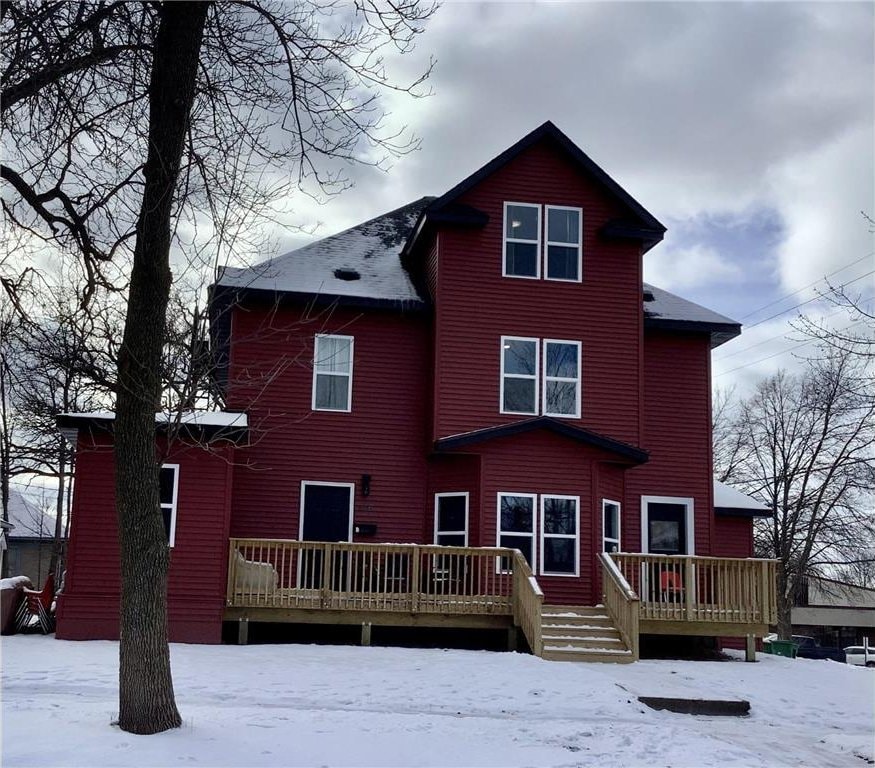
x,y
192,418
727,497
667,306
362,261
27,519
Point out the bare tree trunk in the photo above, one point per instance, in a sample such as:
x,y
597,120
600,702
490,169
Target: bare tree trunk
x,y
57,545
146,699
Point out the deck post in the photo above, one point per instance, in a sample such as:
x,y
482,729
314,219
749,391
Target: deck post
x,y
243,631
690,586
512,639
750,648
366,633
327,552
414,582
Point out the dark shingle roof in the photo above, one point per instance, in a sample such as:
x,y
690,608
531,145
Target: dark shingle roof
x,y
359,262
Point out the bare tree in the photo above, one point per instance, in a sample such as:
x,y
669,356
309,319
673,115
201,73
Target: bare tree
x,y
137,128
810,454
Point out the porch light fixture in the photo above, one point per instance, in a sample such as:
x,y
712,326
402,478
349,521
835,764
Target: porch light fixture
x,y
366,485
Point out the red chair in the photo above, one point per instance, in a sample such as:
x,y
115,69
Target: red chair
x,y
39,605
671,587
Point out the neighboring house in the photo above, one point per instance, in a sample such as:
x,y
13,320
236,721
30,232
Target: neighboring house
x,y
30,539
834,612
483,369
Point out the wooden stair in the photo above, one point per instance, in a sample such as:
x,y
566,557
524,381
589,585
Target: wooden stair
x,y
581,633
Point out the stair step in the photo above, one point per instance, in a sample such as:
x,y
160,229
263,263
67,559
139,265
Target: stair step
x,y
582,633
564,653
591,622
557,641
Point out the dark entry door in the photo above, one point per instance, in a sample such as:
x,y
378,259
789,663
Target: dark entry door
x,y
327,512
666,528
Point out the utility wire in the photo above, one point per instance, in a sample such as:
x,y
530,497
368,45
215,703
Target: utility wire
x,y
779,335
803,303
785,351
810,285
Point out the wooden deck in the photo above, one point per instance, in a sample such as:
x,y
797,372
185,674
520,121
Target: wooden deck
x,y
488,587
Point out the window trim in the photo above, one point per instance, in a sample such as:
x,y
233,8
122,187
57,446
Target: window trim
x,y
499,531
536,376
548,242
538,243
575,537
174,505
605,538
577,380
445,494
689,520
317,373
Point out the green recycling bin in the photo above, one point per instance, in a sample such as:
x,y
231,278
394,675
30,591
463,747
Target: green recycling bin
x,y
784,648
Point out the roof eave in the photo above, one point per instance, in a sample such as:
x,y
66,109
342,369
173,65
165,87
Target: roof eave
x,y
720,333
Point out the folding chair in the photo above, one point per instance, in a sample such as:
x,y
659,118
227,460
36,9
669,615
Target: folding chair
x,y
39,605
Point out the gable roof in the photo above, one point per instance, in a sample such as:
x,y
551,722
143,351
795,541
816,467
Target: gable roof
x,y
581,435
360,262
640,224
27,519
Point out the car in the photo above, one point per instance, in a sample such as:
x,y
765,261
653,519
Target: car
x,y
808,648
858,655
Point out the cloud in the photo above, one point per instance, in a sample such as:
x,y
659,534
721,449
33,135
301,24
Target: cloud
x,y
694,266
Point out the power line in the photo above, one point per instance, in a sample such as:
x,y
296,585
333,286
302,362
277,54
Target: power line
x,y
779,335
810,285
803,303
785,351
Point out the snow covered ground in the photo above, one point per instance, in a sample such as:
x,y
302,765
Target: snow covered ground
x,y
274,705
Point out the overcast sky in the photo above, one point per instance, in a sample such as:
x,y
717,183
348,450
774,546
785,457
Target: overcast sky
x,y
746,128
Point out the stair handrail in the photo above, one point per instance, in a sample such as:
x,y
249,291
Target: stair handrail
x,y
621,602
528,601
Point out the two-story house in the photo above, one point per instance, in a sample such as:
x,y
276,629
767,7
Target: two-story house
x,y
481,370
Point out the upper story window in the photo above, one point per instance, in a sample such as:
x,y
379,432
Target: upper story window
x,y
522,240
519,375
168,490
523,377
562,257
332,373
561,232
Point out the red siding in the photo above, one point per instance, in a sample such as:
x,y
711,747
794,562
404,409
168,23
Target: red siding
x,y
89,606
733,536
677,433
475,305
450,474
383,436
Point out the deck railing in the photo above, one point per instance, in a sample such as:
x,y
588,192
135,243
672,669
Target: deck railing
x,y
621,602
704,589
528,600
274,573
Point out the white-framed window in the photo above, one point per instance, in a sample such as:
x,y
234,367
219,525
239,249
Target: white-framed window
x,y
516,525
451,519
563,248
561,378
560,535
667,525
610,525
519,375
522,240
168,493
332,372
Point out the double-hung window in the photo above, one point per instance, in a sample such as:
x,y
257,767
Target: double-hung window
x,y
561,378
522,240
611,525
168,490
524,377
332,373
554,237
559,532
557,521
562,251
519,375
516,524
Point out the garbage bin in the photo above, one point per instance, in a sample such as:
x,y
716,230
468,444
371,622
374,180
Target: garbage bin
x,y
784,648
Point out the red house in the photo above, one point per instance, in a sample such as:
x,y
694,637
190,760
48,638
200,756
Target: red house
x,y
481,370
